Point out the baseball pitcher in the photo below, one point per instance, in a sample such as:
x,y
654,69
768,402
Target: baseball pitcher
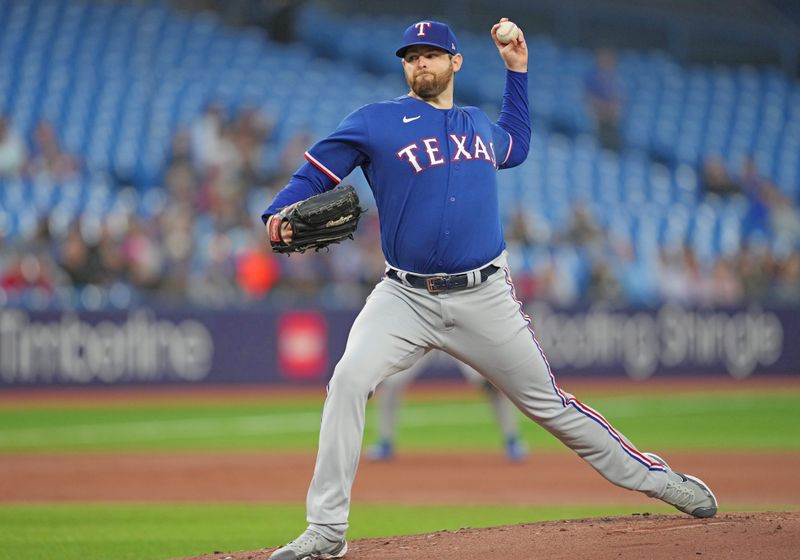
x,y
432,168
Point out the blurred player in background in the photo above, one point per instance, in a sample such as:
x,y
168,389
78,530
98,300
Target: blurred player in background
x,y
390,393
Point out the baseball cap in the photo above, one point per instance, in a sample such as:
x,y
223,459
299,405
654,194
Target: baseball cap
x,y
433,33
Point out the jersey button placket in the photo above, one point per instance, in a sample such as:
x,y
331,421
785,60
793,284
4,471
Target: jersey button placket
x,y
452,177
452,200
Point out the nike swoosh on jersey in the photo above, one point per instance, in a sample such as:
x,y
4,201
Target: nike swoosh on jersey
x,y
409,119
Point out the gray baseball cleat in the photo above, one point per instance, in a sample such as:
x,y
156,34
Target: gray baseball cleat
x,y
687,493
311,545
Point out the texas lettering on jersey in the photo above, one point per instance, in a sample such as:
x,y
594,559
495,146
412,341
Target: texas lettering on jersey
x,y
429,151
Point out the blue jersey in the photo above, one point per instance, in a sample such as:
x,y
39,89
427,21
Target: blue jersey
x,y
432,173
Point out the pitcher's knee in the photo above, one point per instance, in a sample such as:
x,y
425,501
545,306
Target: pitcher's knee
x,y
350,380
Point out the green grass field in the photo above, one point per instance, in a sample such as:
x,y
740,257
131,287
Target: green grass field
x,y
724,421
142,532
708,421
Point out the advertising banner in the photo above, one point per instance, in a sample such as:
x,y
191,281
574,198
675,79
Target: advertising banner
x,y
145,347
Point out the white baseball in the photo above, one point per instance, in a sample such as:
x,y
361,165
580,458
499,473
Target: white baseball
x,y
507,32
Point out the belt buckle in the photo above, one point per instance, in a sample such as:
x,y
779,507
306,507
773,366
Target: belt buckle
x,y
436,284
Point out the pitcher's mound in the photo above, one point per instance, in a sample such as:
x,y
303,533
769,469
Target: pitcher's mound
x,y
730,536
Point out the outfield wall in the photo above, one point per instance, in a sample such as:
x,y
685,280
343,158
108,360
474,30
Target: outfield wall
x,y
151,346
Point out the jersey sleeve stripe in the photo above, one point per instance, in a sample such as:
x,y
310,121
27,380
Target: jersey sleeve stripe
x,y
510,145
322,168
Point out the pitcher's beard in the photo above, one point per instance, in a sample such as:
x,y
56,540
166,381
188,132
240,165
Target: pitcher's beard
x,y
428,85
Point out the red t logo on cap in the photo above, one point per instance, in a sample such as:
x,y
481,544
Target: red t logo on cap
x,y
421,26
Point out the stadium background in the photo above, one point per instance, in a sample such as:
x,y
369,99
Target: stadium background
x,y
654,231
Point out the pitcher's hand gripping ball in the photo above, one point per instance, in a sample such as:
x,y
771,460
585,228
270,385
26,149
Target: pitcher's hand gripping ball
x,y
317,221
507,32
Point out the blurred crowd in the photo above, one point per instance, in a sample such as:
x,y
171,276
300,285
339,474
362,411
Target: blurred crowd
x,y
42,156
203,243
584,264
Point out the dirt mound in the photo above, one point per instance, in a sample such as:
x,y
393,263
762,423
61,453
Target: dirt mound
x,y
730,536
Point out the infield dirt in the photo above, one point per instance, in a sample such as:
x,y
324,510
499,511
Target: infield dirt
x,y
738,479
757,480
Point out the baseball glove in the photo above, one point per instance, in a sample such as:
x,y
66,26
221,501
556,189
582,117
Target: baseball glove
x,y
317,221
